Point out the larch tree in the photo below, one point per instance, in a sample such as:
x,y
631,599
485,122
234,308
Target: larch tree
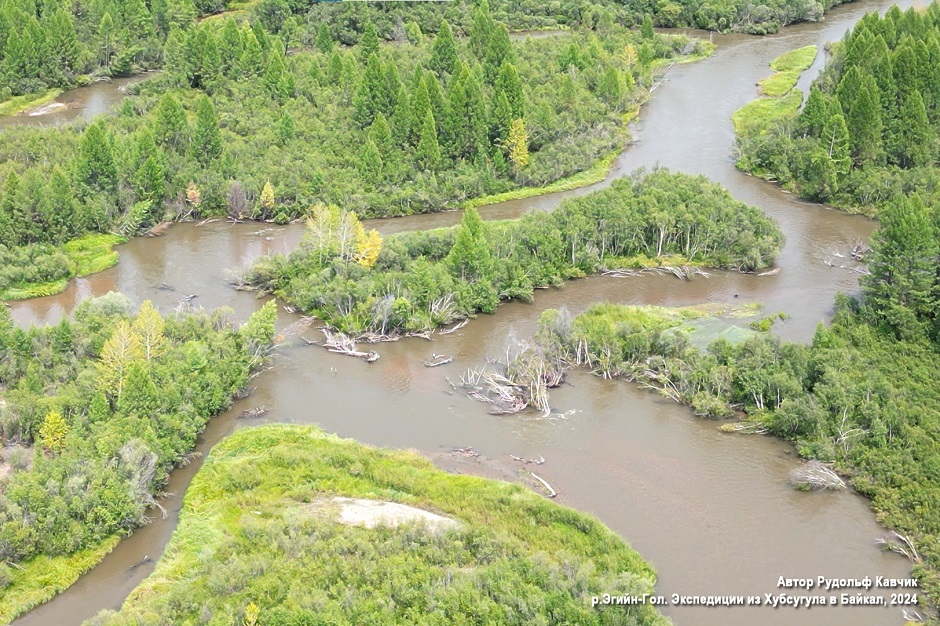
x,y
206,143
443,51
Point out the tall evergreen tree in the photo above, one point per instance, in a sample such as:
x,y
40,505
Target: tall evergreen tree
x,y
369,43
864,124
206,143
918,140
444,51
428,152
95,167
509,84
170,125
900,287
482,28
324,41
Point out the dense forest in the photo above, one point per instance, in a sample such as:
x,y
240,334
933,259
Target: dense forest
x,y
228,129
417,281
869,128
55,43
95,412
512,557
862,396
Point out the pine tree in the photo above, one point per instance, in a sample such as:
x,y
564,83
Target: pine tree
x,y
381,135
106,36
509,84
62,44
444,51
206,144
428,152
611,88
864,124
230,47
918,140
420,107
370,162
815,113
95,167
470,258
834,138
175,60
278,80
646,30
324,41
170,126
252,60
482,28
369,43
900,287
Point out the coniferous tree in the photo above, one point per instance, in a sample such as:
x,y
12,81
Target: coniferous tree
x,y
206,143
106,36
509,84
918,140
835,142
95,167
428,152
370,162
482,28
230,47
498,51
252,60
381,134
170,125
646,30
175,59
444,51
864,124
324,41
900,287
815,113
62,44
420,107
369,43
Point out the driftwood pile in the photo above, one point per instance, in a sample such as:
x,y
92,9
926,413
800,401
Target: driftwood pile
x,y
815,475
522,379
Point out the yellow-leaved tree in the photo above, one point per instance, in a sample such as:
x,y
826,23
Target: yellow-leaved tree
x,y
120,350
518,144
267,199
149,330
368,247
53,431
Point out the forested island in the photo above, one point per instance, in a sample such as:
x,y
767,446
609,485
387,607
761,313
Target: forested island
x,y
419,281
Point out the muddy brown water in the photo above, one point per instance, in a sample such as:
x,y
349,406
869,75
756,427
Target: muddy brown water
x,y
712,512
82,103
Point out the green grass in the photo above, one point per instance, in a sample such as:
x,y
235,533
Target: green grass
x,y
93,253
760,114
44,577
19,104
595,174
782,100
34,290
258,527
86,255
795,60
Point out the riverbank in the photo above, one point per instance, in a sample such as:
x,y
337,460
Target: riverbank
x,y
22,103
433,545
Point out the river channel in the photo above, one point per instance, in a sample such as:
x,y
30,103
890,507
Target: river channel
x,y
713,512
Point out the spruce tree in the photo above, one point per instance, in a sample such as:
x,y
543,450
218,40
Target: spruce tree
x,y
381,134
369,43
918,140
428,152
95,168
420,107
815,113
170,126
230,47
444,51
252,60
498,51
482,28
509,84
900,287
206,143
370,162
864,124
324,41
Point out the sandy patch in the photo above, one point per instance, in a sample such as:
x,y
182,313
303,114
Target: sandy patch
x,y
372,513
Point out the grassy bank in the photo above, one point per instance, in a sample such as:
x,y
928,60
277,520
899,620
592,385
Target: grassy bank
x,y
595,174
259,542
44,577
22,103
36,271
781,100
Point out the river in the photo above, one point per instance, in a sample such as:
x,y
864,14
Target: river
x,y
713,512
